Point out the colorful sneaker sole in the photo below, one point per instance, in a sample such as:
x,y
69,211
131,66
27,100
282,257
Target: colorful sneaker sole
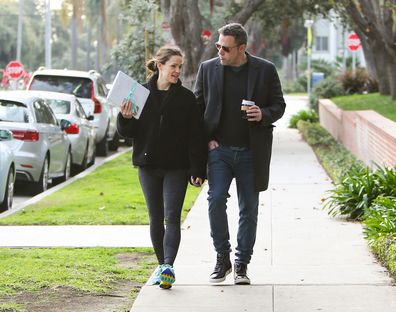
x,y
167,278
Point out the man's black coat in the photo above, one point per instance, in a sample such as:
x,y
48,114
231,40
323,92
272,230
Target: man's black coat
x,y
263,88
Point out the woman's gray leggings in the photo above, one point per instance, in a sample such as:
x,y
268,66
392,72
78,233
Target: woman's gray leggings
x,y
164,191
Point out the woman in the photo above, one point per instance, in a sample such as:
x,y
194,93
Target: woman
x,y
168,149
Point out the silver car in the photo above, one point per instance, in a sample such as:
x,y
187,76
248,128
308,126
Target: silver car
x,y
90,88
41,147
81,132
7,171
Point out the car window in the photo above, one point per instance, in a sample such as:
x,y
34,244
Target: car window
x,y
80,110
43,113
80,87
101,90
13,111
59,106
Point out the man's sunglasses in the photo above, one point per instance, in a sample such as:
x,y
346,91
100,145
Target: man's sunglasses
x,y
225,49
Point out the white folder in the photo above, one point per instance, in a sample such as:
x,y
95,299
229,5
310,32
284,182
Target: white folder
x,y
124,88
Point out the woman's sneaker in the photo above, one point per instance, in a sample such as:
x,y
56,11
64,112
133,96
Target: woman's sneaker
x,y
167,276
155,280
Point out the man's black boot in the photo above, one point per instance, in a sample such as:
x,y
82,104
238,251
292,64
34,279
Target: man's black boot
x,y
222,269
240,274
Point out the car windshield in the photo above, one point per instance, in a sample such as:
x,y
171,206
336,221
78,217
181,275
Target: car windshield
x,y
13,111
59,106
80,87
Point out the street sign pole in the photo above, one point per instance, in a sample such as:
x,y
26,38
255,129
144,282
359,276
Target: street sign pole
x,y
354,44
308,24
354,64
48,34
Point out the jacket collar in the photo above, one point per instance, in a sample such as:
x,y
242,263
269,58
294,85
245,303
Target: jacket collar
x,y
252,75
152,85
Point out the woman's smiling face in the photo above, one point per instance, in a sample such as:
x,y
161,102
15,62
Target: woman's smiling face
x,y
170,71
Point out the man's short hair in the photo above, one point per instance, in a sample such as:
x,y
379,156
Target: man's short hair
x,y
236,30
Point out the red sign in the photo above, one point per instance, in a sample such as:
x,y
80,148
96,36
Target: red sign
x,y
14,69
353,42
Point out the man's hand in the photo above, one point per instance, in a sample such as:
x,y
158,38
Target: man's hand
x,y
212,145
254,113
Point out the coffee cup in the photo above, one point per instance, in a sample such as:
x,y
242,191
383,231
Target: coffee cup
x,y
245,106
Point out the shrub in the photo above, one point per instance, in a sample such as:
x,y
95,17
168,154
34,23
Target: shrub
x,y
314,102
355,84
386,177
380,218
306,115
356,192
385,248
328,88
296,86
334,157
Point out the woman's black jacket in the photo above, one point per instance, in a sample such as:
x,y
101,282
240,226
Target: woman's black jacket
x,y
168,135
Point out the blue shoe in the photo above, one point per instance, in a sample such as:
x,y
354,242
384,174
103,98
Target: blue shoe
x,y
167,276
155,280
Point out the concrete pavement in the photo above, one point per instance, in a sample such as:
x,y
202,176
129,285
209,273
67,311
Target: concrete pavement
x,y
304,260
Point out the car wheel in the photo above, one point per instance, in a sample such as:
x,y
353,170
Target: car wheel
x,y
9,192
67,171
84,163
115,142
92,161
102,148
42,184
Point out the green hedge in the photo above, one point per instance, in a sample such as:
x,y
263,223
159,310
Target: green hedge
x,y
364,193
334,157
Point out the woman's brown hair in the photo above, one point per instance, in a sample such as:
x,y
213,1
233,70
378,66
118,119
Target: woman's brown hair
x,y
163,55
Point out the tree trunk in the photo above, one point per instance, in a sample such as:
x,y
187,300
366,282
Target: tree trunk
x,y
374,55
186,19
88,52
73,25
375,21
186,25
98,43
391,69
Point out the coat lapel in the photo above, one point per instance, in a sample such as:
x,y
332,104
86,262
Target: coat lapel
x,y
252,75
219,80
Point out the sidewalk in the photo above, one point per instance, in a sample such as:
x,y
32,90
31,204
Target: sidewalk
x,y
304,260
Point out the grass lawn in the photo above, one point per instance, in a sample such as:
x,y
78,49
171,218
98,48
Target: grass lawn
x,y
380,103
73,271
108,196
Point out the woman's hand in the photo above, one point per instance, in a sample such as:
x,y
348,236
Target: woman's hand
x,y
126,109
196,181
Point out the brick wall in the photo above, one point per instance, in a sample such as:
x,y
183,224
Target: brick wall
x,y
368,135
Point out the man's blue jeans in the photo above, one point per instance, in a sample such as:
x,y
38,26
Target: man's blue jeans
x,y
224,164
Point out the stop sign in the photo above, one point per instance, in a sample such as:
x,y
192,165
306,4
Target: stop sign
x,y
14,69
353,42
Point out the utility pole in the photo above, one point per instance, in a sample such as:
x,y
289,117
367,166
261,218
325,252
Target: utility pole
x,y
19,35
308,24
48,33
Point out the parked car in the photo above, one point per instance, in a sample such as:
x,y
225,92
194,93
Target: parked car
x,y
41,147
90,88
81,132
7,172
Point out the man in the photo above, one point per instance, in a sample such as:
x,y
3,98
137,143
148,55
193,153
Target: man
x,y
237,148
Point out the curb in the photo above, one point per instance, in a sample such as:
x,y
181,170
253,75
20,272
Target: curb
x,y
56,188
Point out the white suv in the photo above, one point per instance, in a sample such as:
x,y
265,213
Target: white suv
x,y
90,89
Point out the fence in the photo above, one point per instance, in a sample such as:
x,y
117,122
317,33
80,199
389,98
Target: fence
x,y
367,134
